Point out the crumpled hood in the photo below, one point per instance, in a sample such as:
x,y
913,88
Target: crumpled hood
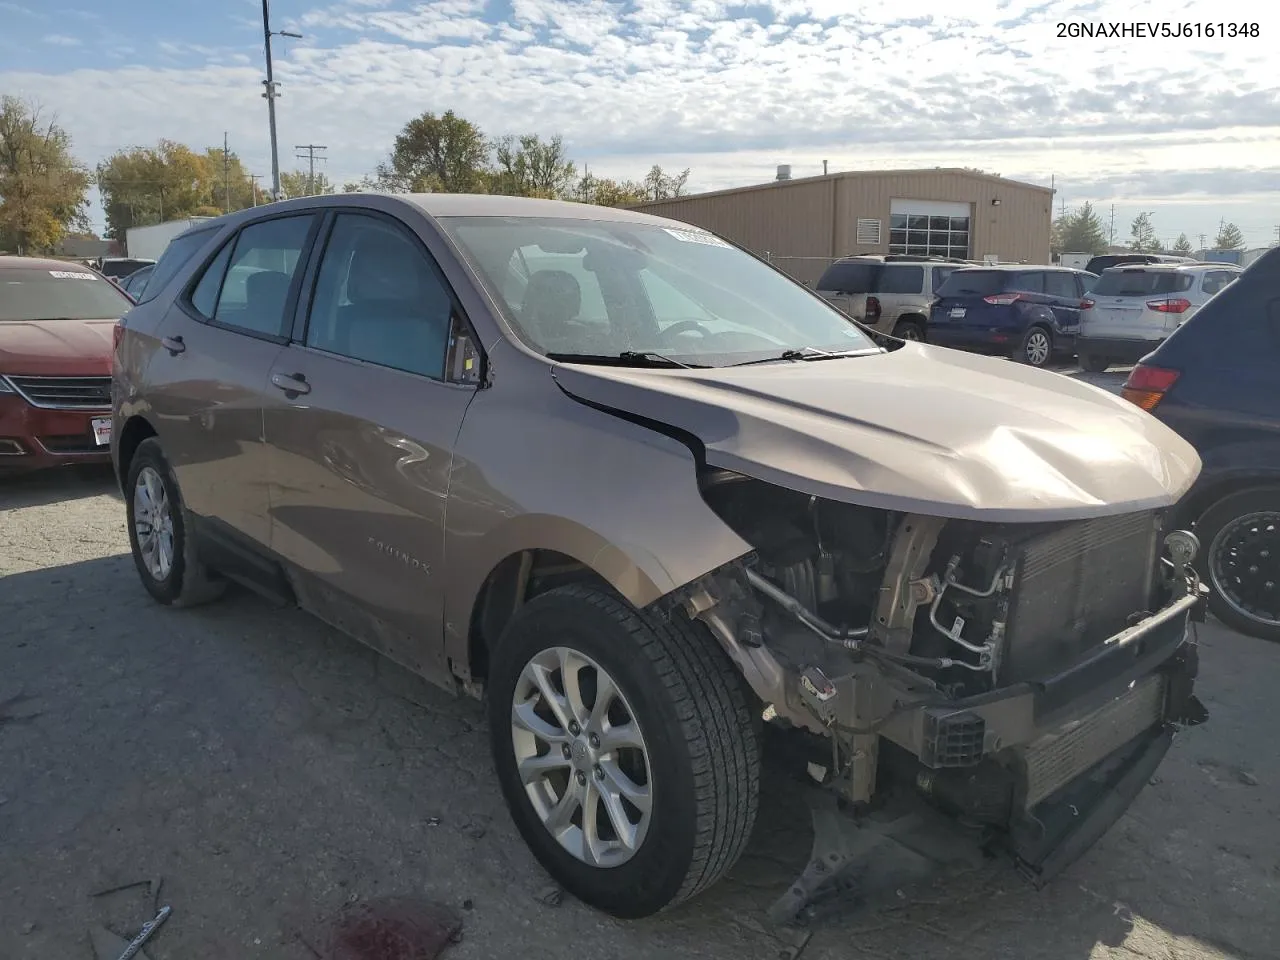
x,y
922,429
56,347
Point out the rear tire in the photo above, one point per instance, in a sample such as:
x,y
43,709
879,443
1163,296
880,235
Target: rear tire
x,y
909,330
1093,363
699,748
1239,555
164,550
1036,348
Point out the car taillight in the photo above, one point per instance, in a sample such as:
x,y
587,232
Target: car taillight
x,y
1175,305
1147,386
873,308
1002,299
1087,304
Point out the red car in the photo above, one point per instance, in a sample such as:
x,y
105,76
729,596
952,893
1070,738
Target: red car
x,y
56,323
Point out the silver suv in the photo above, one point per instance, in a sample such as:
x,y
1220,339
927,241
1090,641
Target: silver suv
x,y
1132,309
890,295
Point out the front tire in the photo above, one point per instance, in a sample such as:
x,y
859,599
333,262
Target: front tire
x,y
1240,559
624,747
164,551
909,330
1036,348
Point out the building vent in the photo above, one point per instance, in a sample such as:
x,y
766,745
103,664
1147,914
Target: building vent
x,y
784,171
868,233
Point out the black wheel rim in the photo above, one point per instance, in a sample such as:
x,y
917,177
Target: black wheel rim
x,y
1244,566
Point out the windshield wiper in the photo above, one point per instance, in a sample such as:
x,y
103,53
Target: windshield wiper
x,y
640,357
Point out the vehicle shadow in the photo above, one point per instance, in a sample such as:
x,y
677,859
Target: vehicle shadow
x,y
44,487
272,770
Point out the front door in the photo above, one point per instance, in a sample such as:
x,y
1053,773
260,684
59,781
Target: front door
x,y
361,428
217,348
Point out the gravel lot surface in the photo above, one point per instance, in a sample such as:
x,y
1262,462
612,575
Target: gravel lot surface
x,y
271,771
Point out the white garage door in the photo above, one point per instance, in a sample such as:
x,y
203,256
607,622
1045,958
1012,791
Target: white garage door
x,y
929,228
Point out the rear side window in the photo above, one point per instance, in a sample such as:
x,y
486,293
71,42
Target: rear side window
x,y
175,257
849,277
1027,282
253,275
940,275
1061,285
1142,283
900,279
1215,280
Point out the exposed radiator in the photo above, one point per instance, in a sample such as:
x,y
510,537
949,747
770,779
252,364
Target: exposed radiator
x,y
1057,758
1075,587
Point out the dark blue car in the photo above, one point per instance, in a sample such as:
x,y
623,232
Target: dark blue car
x,y
1031,314
1216,381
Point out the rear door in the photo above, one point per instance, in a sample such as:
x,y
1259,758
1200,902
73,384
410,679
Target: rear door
x,y
209,374
361,425
1063,293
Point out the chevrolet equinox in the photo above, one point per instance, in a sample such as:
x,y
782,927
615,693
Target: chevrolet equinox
x,y
644,494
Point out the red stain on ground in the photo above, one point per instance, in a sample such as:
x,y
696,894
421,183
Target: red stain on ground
x,y
392,928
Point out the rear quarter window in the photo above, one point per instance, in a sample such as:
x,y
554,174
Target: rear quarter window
x,y
900,279
848,278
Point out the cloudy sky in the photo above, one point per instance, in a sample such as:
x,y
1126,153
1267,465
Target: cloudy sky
x,y
1188,128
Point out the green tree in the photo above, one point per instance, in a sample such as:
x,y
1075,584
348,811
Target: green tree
x,y
444,154
1143,235
42,187
1182,245
528,167
229,181
610,193
658,185
1229,237
1080,231
297,183
147,185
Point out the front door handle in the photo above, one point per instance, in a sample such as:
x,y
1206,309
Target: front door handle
x,y
173,344
294,383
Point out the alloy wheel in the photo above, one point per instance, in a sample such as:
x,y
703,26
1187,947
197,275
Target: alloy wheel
x,y
1244,559
581,757
1037,348
153,523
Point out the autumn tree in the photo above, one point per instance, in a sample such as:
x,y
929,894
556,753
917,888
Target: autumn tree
x,y
1143,235
1182,245
1229,237
42,187
230,186
147,185
1080,231
659,185
605,192
526,166
444,154
298,183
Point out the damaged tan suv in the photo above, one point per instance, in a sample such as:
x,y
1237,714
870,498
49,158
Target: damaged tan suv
x,y
644,493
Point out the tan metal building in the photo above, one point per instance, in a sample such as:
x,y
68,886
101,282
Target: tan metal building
x,y
801,225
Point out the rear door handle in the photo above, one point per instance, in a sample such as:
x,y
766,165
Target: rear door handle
x,y
291,382
174,345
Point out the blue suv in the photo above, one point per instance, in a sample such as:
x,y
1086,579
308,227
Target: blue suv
x,y
1031,314
1216,381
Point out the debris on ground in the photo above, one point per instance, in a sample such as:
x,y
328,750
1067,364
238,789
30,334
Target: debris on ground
x,y
552,895
391,928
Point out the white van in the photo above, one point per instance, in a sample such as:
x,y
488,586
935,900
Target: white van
x,y
1131,309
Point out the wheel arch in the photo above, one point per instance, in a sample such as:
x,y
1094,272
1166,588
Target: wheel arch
x,y
136,429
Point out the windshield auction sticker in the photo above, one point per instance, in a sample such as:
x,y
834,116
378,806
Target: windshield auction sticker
x,y
70,275
693,236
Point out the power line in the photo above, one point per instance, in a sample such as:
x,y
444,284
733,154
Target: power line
x,y
311,158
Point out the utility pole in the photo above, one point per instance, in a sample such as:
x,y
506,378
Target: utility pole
x,y
226,174
1202,243
311,158
1111,239
253,186
1278,233
271,93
